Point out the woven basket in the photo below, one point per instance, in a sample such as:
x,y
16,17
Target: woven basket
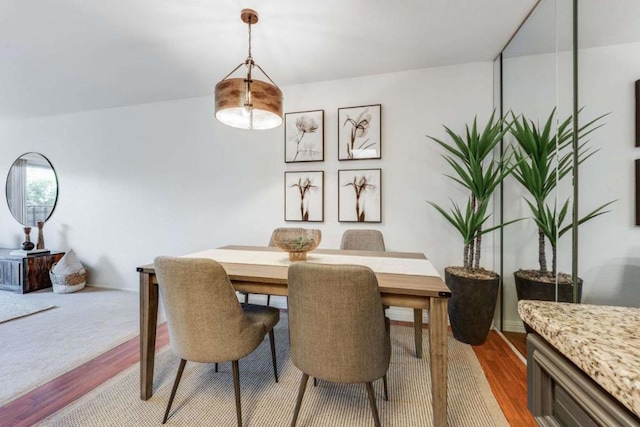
x,y
68,283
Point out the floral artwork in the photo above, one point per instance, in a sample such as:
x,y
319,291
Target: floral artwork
x,y
359,195
637,113
359,132
304,136
304,196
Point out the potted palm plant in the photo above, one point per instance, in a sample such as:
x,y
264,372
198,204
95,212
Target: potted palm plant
x,y
543,157
474,289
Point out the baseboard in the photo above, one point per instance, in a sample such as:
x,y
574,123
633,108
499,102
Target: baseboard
x,y
276,301
393,313
405,314
513,326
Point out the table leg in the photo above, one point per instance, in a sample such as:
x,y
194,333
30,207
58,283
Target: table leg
x,y
148,324
438,352
417,331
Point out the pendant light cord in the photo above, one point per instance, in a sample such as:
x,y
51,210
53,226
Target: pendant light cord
x,y
250,58
251,63
248,104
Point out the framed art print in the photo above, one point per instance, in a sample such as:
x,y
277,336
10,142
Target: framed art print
x,y
304,136
637,113
359,195
637,191
359,132
304,196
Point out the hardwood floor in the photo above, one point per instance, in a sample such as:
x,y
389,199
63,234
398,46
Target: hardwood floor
x,y
505,373
55,395
519,341
507,376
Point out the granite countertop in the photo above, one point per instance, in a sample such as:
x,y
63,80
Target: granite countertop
x,y
602,341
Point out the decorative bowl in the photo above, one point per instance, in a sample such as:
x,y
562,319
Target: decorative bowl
x,y
296,241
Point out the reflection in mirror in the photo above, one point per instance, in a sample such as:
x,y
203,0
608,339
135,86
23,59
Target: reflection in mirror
x,y
609,66
530,82
32,189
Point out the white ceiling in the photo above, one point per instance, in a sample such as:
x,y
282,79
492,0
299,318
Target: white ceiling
x,y
63,56
600,23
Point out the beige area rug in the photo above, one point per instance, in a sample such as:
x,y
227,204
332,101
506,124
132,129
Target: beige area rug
x,y
16,306
206,398
36,349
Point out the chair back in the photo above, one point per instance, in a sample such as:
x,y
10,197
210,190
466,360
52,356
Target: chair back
x,y
337,324
362,240
206,322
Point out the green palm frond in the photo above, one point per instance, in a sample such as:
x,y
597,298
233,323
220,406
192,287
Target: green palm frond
x,y
471,156
544,156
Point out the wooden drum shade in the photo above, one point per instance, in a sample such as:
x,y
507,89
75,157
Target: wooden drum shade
x,y
247,103
265,111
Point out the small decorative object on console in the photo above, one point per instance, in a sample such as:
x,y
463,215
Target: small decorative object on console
x,y
297,241
40,244
28,244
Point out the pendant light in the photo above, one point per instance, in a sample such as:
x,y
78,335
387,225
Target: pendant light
x,y
248,103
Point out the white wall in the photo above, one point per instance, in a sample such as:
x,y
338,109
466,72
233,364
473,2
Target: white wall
x,y
166,178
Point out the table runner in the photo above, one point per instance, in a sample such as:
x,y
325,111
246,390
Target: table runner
x,y
418,267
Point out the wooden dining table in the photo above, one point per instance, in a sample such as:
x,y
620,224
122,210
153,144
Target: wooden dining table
x,y
249,273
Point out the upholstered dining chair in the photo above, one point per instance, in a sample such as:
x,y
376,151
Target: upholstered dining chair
x,y
372,240
206,322
362,240
331,337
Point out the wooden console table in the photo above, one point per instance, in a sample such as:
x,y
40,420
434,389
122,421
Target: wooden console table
x,y
24,274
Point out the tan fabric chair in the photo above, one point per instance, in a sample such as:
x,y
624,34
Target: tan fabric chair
x,y
362,240
333,338
372,240
206,322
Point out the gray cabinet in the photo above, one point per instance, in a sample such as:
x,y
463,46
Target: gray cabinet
x,y
560,394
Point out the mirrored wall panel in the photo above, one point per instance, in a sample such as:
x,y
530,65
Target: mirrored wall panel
x,y
536,82
608,72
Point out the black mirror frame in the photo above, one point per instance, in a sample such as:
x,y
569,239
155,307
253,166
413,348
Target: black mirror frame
x,y
55,174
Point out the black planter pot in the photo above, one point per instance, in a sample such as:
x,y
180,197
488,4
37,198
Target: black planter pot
x,y
528,289
471,307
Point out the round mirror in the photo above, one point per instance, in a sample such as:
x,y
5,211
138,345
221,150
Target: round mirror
x,y
32,189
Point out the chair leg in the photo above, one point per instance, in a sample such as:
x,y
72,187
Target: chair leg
x,y
236,387
216,367
288,323
246,298
315,382
272,341
303,387
417,330
386,390
372,403
268,299
175,388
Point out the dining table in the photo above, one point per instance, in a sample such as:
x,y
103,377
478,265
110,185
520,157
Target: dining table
x,y
405,279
